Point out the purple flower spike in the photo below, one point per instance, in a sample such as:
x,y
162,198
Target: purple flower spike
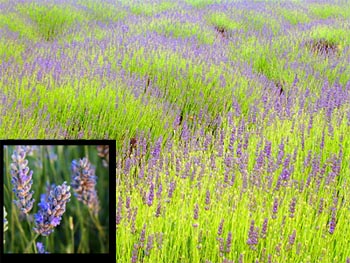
x,y
51,209
41,248
228,242
84,183
253,236
220,227
275,208
292,238
332,225
22,180
195,212
264,228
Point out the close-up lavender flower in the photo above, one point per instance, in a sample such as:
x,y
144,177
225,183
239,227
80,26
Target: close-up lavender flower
x,y
22,181
103,153
51,209
253,236
41,248
41,226
84,184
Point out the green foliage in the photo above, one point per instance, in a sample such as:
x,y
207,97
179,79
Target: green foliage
x,y
17,23
85,112
149,9
102,11
294,16
51,21
10,50
221,20
338,36
182,30
201,3
257,21
325,11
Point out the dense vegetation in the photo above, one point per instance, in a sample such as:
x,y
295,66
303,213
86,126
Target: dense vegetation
x,y
231,118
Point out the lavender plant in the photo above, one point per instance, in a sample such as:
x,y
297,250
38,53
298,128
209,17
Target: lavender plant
x,y
22,181
103,153
41,248
247,101
84,184
51,209
44,228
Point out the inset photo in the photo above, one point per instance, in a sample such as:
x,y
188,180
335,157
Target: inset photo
x,y
56,196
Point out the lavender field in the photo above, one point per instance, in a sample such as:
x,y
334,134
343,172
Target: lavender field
x,y
231,118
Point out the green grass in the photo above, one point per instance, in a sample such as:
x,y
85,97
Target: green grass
x,y
338,36
201,3
294,17
50,21
221,20
89,110
149,9
258,21
183,30
10,49
325,11
103,11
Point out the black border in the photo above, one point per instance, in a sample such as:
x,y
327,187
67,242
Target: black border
x,y
111,256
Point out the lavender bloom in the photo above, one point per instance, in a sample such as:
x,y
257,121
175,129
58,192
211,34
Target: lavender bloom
x,y
320,208
253,236
41,248
172,187
119,211
207,200
264,228
5,223
150,195
159,209
228,242
332,225
160,190
51,209
220,227
292,207
280,153
275,208
195,213
135,253
149,245
292,238
143,236
84,183
22,181
103,153
221,246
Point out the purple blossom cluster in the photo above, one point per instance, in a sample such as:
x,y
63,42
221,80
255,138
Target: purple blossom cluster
x,y
41,248
22,181
51,209
84,183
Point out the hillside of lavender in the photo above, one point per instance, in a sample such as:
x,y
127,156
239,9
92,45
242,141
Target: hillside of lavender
x,y
231,118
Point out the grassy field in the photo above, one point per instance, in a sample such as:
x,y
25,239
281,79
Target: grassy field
x,y
231,118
